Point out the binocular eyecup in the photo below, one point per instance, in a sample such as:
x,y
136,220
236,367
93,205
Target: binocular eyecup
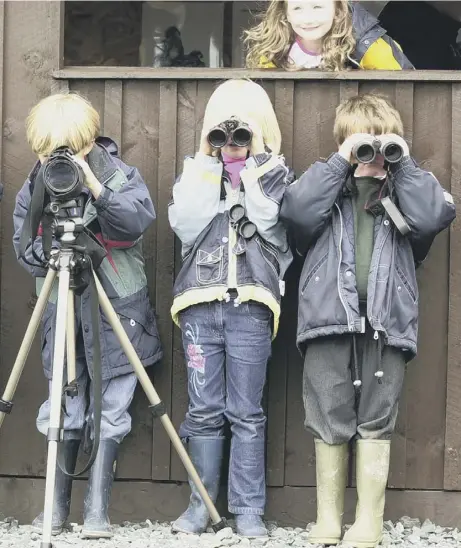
x,y
231,132
366,152
245,228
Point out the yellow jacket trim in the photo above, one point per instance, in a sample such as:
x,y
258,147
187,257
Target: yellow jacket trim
x,y
380,56
246,293
265,63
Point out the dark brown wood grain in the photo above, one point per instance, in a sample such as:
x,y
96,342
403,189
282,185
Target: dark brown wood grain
x,y
185,146
403,100
427,374
29,57
113,106
452,468
165,269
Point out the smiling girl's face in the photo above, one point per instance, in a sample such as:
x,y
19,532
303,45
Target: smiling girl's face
x,y
311,20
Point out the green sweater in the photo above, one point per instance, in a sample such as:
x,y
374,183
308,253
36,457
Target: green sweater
x,y
363,230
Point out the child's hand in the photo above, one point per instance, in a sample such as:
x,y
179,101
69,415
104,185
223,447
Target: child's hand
x,y
392,138
91,182
205,147
257,141
345,150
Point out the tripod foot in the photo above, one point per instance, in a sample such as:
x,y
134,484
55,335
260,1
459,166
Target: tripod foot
x,y
220,525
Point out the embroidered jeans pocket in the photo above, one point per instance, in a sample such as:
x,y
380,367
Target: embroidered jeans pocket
x,y
209,265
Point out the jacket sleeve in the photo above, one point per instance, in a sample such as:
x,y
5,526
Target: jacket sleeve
x,y
427,207
196,197
265,178
22,203
385,54
308,202
125,215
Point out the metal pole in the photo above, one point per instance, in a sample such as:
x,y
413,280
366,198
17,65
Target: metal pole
x,y
54,428
154,399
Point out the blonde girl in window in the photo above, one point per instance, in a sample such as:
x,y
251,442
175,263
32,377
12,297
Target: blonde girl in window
x,y
329,35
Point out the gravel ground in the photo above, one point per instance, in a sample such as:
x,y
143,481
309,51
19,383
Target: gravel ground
x,y
407,532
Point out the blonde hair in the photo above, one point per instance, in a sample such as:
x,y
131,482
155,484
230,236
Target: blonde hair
x,y
368,113
273,37
63,119
250,103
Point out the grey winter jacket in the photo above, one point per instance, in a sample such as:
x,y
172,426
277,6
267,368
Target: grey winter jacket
x,y
318,208
215,257
119,217
371,39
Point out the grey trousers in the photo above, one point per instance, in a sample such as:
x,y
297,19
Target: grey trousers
x,y
335,411
117,395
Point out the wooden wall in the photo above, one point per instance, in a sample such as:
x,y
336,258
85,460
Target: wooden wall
x,y
156,123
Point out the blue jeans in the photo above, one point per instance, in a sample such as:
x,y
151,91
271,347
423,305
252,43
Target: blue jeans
x,y
227,348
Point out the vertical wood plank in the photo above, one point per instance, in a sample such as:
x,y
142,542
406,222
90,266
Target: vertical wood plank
x,y
278,367
94,91
187,127
403,98
313,119
348,89
165,269
427,374
30,57
60,86
113,100
139,120
452,457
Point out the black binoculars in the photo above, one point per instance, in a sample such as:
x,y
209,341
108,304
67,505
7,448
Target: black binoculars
x,y
366,152
239,133
245,228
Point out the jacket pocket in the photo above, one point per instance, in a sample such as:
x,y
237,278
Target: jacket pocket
x,y
209,265
270,255
406,283
313,271
138,320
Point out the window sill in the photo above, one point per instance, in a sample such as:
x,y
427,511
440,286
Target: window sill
x,y
148,73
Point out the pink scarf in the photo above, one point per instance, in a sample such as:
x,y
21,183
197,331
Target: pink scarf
x,y
233,166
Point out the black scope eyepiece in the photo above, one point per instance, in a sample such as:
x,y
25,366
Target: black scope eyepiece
x,y
366,152
232,131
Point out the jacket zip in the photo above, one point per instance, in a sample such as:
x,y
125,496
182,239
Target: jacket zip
x,y
349,325
232,261
376,334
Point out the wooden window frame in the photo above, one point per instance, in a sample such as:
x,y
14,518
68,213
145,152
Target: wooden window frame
x,y
148,73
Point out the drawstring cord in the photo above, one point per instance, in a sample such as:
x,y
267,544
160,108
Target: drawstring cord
x,y
355,365
379,372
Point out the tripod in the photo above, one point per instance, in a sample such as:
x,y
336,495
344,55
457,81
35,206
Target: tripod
x,y
63,264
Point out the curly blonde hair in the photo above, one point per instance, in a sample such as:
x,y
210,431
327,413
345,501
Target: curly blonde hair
x,y
273,37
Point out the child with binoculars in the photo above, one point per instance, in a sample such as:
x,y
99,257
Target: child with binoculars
x,y
358,301
226,298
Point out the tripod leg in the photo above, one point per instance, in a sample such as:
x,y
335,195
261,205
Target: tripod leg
x,y
71,388
155,401
6,403
56,393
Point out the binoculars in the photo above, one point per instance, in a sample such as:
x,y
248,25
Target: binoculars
x,y
239,133
366,152
245,228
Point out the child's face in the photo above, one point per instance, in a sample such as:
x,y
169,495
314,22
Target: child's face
x,y
235,152
311,20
